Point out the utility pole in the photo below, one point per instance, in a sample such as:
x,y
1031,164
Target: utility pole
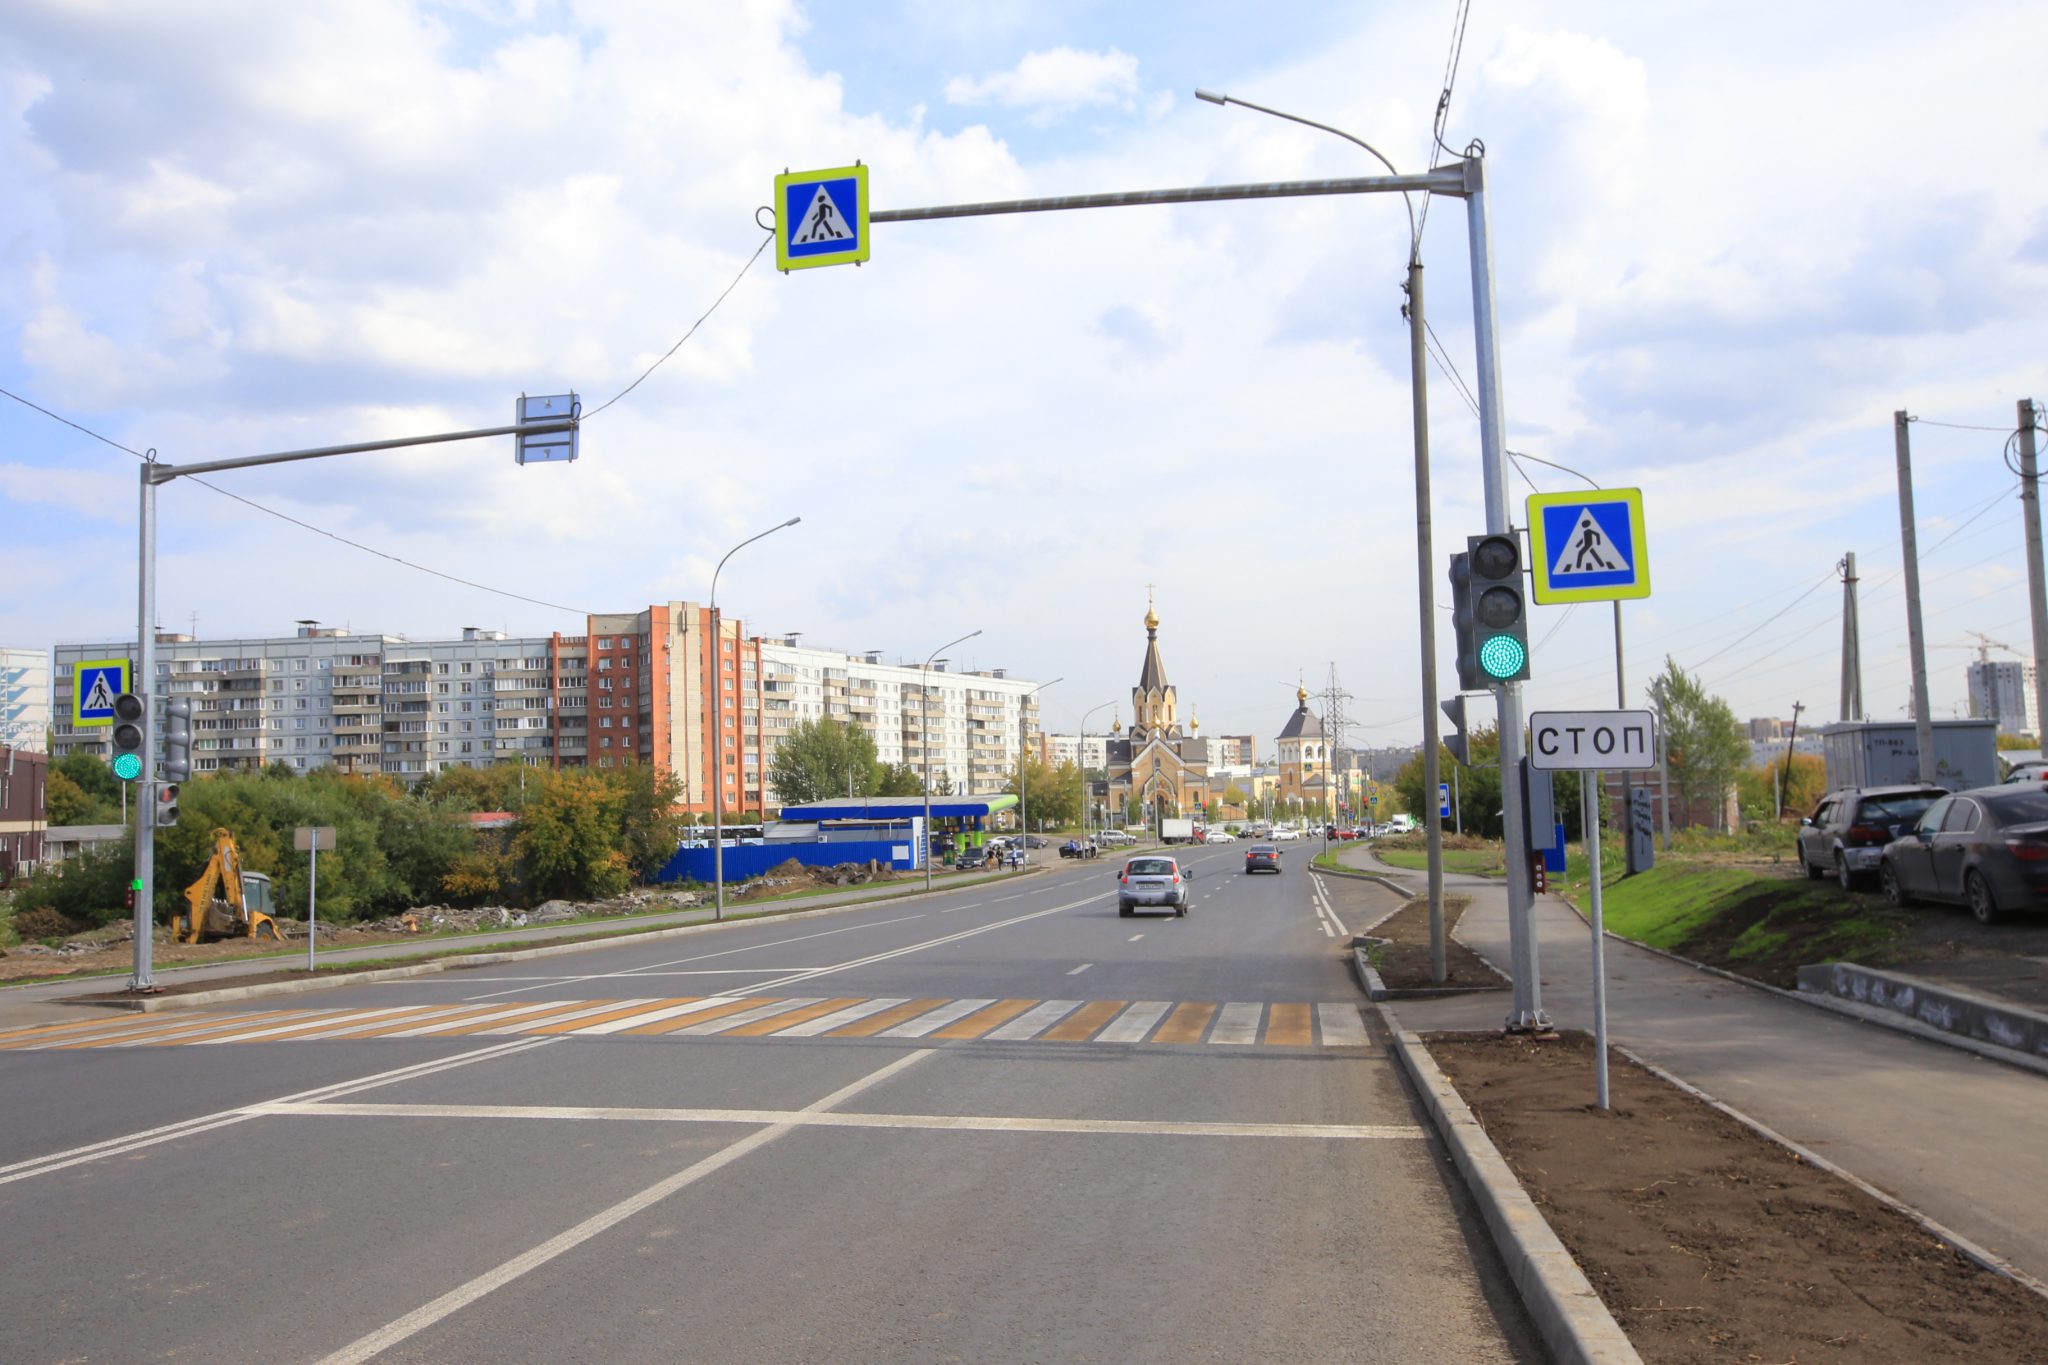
x,y
1916,641
1852,643
2037,592
1785,779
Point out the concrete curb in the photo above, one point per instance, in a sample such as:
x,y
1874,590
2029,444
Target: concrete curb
x,y
1356,875
152,1004
1948,1008
1573,1321
1964,1246
1869,1014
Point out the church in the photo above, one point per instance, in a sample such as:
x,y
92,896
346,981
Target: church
x,y
1162,766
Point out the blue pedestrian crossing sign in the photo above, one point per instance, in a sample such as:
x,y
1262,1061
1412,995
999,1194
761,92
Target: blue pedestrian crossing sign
x,y
1589,546
821,217
94,685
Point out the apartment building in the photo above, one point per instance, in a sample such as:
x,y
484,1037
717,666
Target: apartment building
x,y
2003,690
24,697
1089,752
634,687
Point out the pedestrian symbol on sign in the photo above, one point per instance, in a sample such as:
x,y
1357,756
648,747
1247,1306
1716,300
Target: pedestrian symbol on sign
x,y
818,224
101,698
1588,550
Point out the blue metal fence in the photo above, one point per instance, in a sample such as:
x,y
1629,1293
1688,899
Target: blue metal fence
x,y
751,860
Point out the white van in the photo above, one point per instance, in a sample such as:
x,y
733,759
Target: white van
x,y
1401,824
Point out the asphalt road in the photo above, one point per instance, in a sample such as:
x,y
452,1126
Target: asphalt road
x,y
1002,1123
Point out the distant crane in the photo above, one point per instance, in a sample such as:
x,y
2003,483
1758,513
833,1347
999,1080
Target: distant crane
x,y
1985,644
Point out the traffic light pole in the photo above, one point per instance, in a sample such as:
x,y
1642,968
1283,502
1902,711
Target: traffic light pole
x,y
143,684
1527,1012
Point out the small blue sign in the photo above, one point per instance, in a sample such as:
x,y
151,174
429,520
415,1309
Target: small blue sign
x,y
822,217
94,685
1443,800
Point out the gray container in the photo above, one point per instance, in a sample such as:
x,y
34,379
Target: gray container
x,y
1883,753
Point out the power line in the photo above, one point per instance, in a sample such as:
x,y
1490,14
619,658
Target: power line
x,y
55,417
765,239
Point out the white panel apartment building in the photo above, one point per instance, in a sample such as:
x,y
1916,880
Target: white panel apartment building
x,y
25,698
410,708
1084,751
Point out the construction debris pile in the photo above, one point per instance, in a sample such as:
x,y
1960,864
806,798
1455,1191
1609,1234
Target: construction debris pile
x,y
791,875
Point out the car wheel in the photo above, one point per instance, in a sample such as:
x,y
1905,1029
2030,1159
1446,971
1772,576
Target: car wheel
x,y
1894,889
1843,876
1813,873
1977,892
1180,911
1123,910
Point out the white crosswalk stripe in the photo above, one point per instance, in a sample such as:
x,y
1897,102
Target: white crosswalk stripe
x,y
1035,1021
759,1012
1134,1023
1238,1023
936,1019
852,1014
1341,1025
656,1016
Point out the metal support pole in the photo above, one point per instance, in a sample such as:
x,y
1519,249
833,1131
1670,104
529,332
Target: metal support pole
x,y
143,685
1852,643
1589,827
312,895
717,756
1664,780
1425,607
1916,640
1527,1013
2037,587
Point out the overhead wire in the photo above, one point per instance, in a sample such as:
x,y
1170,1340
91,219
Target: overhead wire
x,y
766,238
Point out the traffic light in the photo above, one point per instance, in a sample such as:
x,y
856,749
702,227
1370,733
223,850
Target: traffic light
x,y
177,739
1458,742
1462,623
166,814
131,737
1500,611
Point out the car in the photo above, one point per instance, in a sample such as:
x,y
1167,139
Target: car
x,y
2028,772
1076,848
1115,836
1220,836
1401,824
1986,848
1284,835
1153,880
1845,837
1037,841
1262,858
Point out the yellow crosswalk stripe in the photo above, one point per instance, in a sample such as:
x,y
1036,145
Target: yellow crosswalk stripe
x,y
703,1016
761,1028
982,1020
1289,1026
1084,1022
887,1019
1186,1024
627,1010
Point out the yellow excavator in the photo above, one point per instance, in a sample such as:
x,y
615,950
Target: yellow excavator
x,y
226,902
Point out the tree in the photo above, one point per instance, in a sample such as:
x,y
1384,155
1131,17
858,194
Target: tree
x,y
64,803
1233,795
1702,739
1757,789
569,837
942,785
651,825
81,790
821,759
1052,795
895,779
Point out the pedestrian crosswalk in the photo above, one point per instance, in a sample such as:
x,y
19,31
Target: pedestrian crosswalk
x,y
1237,1023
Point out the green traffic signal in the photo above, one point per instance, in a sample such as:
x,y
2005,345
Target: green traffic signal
x,y
1503,657
127,767
131,740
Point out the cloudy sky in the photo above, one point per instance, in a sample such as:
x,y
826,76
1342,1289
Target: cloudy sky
x,y
1732,239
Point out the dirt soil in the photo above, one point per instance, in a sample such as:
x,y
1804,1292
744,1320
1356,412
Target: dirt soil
x,y
1710,1243
1403,961
2008,959
118,955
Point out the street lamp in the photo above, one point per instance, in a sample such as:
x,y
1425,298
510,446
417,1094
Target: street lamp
x,y
1425,569
1081,761
925,727
718,726
1024,763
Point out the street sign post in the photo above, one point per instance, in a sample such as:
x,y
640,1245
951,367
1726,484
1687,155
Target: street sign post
x,y
821,218
1443,800
1587,742
1588,547
551,441
310,839
94,685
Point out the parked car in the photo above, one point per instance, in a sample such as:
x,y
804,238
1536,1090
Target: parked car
x,y
1037,841
1221,836
1846,835
1262,858
1115,836
1153,881
1986,848
1075,848
1401,824
1284,835
2028,772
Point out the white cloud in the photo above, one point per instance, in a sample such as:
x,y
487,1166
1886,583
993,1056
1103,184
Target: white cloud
x,y
1055,81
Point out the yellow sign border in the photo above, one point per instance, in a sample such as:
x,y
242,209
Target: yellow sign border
x,y
786,262
1541,588
126,668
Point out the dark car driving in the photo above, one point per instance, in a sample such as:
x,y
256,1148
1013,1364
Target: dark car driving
x,y
1845,836
1986,848
1262,858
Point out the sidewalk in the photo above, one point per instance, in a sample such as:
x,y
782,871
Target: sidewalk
x,y
1955,1136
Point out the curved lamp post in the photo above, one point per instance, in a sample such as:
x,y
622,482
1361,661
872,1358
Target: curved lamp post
x,y
718,725
925,727
1081,762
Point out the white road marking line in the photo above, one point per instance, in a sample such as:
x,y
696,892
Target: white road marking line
x,y
1134,938
1080,969
656,1016
171,1132
1000,899
811,1028
936,1018
1035,1021
971,905
961,1123
893,953
1341,1025
1237,1023
1134,1023
539,982
759,1012
384,1338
